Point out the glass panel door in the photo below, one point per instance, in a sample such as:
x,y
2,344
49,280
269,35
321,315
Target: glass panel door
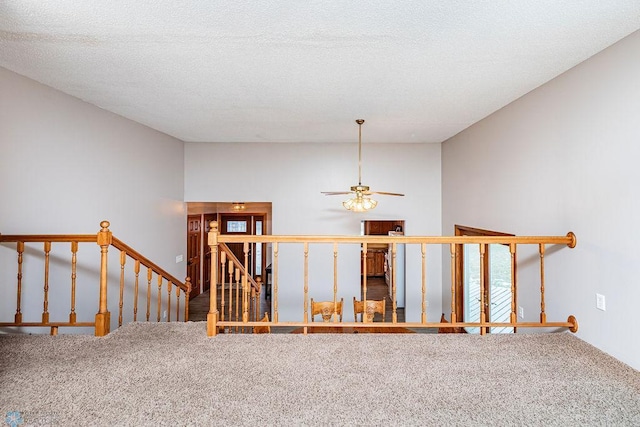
x,y
471,280
498,282
500,287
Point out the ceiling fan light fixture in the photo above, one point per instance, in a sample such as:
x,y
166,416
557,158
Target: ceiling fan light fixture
x,y
360,204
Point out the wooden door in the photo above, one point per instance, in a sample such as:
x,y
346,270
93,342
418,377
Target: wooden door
x,y
496,268
194,238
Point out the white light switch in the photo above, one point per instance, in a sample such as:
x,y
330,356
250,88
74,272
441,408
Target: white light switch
x,y
600,303
179,258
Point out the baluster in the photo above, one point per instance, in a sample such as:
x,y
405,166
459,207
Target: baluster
x,y
306,284
212,316
20,250
335,282
254,312
275,282
45,312
103,317
364,271
123,260
178,303
245,300
237,296
543,315
159,296
514,317
423,249
223,261
148,292
258,299
245,285
394,316
483,297
452,249
74,264
169,289
231,271
136,269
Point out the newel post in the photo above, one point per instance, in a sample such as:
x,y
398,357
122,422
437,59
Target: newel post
x,y
212,316
103,317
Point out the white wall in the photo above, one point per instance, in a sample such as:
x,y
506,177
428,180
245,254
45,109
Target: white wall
x,y
564,157
291,176
65,165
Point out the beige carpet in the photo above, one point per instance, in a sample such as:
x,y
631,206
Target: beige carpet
x,y
172,374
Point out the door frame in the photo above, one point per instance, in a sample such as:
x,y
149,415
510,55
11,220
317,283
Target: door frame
x,y
251,219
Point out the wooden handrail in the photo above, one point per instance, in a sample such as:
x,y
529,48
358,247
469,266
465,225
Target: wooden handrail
x,y
569,239
120,245
92,238
217,243
30,238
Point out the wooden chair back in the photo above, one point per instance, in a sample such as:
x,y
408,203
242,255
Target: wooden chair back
x,y
368,309
263,329
448,330
326,309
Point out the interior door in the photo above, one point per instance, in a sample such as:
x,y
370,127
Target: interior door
x,y
498,293
194,238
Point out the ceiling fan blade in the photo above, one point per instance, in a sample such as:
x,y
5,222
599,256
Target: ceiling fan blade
x,y
335,193
385,193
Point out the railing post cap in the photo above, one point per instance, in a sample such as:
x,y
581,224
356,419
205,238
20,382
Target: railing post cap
x,y
105,225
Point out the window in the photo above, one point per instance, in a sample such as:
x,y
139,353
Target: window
x,y
236,226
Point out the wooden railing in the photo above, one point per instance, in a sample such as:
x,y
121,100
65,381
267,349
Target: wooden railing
x,y
243,283
155,276
216,321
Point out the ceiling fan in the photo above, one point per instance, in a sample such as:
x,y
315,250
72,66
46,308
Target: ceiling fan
x,y
360,202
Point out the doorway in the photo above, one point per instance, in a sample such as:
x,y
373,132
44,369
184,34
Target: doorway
x,y
379,265
199,216
246,224
497,271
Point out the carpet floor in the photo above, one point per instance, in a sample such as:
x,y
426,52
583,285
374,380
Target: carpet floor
x,y
172,374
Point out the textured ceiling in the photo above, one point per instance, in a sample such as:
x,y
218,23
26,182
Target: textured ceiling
x,y
303,71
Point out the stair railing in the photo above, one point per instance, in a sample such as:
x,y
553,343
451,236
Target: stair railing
x,y
232,305
161,279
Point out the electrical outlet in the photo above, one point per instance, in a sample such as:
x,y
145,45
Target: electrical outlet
x,y
521,312
600,302
179,258
164,314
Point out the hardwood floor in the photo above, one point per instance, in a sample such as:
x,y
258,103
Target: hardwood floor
x,y
199,306
377,289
